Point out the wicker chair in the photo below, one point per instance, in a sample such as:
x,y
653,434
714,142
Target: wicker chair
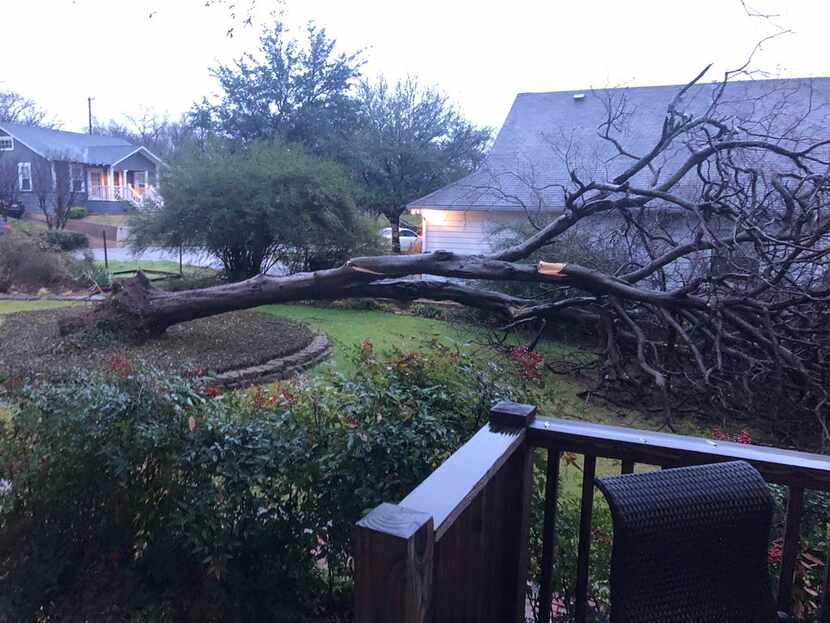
x,y
690,545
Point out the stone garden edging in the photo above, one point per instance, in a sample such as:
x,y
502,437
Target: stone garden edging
x,y
277,369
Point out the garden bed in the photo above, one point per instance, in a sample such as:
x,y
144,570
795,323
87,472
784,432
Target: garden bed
x,y
32,348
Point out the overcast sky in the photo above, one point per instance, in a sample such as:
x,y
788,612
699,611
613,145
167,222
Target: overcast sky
x,y
480,52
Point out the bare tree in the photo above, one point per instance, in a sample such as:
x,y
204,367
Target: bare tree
x,y
751,334
16,108
8,181
53,188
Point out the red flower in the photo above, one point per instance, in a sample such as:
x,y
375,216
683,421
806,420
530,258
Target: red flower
x,y
529,363
775,554
211,391
288,397
718,434
120,365
259,398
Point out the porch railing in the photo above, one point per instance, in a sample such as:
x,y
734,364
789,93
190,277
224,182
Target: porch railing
x,y
456,548
114,193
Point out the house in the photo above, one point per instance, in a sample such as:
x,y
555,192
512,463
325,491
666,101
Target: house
x,y
104,174
546,135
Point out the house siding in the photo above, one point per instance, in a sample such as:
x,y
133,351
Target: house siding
x,y
11,159
468,232
477,232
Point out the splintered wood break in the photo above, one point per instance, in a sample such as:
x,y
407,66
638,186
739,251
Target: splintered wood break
x,y
364,270
552,269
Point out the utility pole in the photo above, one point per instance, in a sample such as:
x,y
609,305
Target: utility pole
x,y
89,108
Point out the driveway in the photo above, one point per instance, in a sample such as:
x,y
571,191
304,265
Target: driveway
x,y
190,257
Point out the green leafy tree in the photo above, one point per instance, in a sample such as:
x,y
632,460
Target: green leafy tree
x,y
257,206
296,91
412,142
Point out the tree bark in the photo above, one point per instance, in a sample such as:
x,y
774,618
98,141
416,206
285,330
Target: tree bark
x,y
395,222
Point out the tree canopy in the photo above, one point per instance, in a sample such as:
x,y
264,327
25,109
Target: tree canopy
x,y
411,142
298,91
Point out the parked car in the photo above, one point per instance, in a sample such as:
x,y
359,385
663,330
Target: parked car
x,y
13,210
408,237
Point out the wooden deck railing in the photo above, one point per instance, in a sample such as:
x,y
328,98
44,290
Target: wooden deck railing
x,y
456,548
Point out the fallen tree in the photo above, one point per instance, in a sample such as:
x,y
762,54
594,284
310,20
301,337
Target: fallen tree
x,y
723,300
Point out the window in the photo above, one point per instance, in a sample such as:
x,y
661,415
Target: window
x,y
24,176
6,143
140,179
76,176
95,179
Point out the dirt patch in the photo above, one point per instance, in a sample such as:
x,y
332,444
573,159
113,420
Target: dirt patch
x,y
30,346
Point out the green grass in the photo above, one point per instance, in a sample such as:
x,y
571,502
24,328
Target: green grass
x,y
170,266
27,226
116,220
10,307
349,327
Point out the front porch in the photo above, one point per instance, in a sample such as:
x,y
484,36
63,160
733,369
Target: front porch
x,y
108,183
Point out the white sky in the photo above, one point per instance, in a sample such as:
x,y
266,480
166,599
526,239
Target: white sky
x,y
480,52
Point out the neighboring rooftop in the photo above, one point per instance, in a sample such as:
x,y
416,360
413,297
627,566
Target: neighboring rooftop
x,y
74,146
547,134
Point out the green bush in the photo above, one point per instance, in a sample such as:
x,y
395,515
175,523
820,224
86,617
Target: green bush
x,y
65,240
78,212
137,498
89,271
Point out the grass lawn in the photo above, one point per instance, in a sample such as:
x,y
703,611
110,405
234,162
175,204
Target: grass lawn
x,y
9,307
116,220
27,226
167,265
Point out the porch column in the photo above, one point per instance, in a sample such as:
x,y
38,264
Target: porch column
x,y
111,192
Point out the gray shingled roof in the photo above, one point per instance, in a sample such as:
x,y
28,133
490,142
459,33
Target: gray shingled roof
x,y
74,146
546,134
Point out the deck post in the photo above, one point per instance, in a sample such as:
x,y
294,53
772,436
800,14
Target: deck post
x,y
393,556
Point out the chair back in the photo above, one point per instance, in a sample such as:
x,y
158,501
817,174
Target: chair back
x,y
690,545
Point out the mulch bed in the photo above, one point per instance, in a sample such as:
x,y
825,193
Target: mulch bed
x,y
30,346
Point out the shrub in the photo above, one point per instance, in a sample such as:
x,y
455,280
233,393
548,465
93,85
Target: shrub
x,y
134,497
89,271
293,209
26,264
65,240
78,212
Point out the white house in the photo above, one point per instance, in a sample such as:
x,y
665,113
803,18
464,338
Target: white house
x,y
547,135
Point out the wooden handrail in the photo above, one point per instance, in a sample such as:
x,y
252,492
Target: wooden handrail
x,y
470,518
787,467
448,491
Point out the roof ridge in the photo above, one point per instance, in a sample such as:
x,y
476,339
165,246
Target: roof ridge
x,y
668,86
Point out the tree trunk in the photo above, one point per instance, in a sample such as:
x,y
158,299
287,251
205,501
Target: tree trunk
x,y
138,309
395,221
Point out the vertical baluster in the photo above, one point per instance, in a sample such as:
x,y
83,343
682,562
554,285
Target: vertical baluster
x,y
825,594
627,467
549,535
588,471
792,529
